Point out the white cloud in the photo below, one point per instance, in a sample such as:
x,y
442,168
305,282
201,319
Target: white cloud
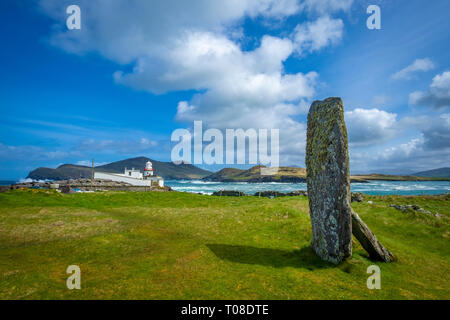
x,y
410,155
418,65
186,46
313,36
427,150
326,6
195,45
370,126
437,133
438,95
278,8
151,28
203,60
404,150
435,130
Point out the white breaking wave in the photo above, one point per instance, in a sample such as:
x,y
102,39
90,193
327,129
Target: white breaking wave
x,y
373,187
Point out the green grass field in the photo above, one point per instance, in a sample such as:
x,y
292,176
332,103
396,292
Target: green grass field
x,y
170,245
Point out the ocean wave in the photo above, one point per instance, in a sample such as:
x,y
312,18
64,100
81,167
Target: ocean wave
x,y
373,187
26,180
191,182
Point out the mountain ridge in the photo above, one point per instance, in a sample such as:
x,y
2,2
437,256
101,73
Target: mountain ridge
x,y
435,173
295,174
170,170
167,170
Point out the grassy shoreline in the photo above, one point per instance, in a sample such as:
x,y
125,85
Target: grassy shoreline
x,y
172,245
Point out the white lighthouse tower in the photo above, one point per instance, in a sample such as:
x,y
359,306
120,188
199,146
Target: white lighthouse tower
x,y
148,170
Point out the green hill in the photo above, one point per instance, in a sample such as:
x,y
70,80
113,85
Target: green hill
x,y
167,170
63,172
284,174
435,173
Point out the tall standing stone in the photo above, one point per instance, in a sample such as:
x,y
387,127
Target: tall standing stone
x,y
328,180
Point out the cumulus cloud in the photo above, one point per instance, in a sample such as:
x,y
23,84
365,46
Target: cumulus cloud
x,y
403,150
152,28
435,130
419,65
438,95
313,36
194,45
428,149
203,60
179,47
326,6
412,155
370,126
437,136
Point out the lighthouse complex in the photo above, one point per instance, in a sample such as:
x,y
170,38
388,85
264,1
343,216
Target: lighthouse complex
x,y
134,176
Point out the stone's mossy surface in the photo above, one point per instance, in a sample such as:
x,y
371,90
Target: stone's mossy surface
x,y
328,180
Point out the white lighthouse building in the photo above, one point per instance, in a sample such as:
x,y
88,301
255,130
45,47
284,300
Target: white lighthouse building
x,y
133,176
148,170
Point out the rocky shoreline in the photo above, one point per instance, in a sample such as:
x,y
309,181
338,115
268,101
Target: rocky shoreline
x,y
82,185
355,196
281,179
412,208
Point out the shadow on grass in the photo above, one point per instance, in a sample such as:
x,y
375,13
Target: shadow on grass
x,y
303,258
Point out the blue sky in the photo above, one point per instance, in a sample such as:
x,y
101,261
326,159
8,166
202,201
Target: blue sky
x,y
138,70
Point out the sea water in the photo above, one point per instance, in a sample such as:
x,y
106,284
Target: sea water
x,y
372,187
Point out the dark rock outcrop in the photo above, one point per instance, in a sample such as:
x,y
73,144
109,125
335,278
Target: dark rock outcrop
x,y
67,189
270,194
298,193
357,197
229,193
414,209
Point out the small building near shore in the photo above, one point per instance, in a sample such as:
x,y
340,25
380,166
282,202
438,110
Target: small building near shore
x,y
134,177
